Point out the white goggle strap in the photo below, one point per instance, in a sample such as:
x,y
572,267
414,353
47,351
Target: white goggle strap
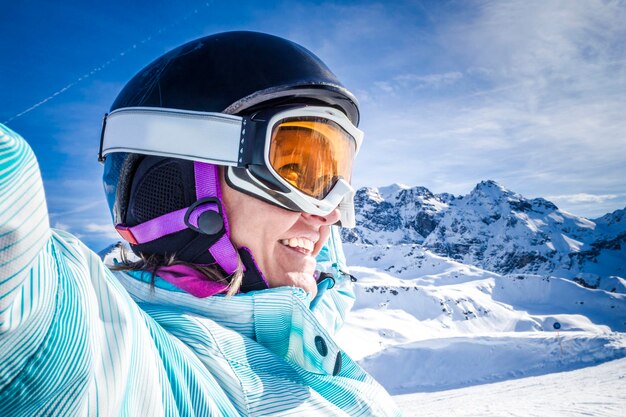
x,y
346,208
215,138
342,196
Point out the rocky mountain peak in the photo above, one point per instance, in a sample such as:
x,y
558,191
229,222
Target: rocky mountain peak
x,y
392,214
492,193
490,187
616,217
493,228
390,192
369,193
493,197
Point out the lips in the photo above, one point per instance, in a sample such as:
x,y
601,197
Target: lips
x,y
301,243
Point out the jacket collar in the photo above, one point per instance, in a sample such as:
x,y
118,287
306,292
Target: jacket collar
x,y
278,318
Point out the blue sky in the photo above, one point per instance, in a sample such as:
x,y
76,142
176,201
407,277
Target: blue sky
x,y
531,94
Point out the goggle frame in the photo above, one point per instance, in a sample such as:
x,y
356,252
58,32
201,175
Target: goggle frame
x,y
236,142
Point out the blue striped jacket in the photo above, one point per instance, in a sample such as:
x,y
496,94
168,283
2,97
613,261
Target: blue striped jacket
x,y
77,339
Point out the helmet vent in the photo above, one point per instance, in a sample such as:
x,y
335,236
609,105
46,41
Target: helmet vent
x,y
160,191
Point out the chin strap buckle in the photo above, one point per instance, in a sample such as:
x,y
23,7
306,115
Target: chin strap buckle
x,y
209,221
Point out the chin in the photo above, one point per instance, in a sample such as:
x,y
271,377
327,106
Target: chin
x,y
304,280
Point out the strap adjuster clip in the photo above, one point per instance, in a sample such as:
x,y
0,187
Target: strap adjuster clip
x,y
126,234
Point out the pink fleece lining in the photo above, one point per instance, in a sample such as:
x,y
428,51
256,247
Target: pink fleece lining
x,y
190,280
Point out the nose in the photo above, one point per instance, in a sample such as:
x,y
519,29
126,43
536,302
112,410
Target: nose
x,y
328,219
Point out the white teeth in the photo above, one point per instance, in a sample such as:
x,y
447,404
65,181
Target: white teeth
x,y
298,242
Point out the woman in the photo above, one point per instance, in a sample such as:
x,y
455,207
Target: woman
x,y
226,164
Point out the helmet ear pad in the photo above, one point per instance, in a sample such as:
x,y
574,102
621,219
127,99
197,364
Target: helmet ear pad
x,y
159,186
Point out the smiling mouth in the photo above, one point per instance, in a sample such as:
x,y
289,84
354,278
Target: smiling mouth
x,y
300,244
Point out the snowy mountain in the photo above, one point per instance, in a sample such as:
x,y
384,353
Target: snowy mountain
x,y
465,292
495,229
395,214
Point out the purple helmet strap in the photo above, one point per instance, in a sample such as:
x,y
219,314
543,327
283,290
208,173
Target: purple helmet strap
x,y
208,199
208,185
223,251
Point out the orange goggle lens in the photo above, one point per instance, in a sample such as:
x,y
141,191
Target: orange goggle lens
x,y
311,154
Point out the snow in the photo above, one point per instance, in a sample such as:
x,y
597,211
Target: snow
x,y
593,391
390,192
375,195
445,363
572,244
447,338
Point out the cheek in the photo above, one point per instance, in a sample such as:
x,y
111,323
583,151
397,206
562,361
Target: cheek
x,y
240,214
248,227
253,223
259,226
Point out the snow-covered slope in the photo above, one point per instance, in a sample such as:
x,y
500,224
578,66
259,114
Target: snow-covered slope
x,y
447,325
465,291
593,391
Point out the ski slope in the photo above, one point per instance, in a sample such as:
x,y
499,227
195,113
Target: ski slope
x,y
450,339
594,391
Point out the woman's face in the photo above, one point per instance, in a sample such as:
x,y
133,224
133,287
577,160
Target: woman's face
x,y
284,243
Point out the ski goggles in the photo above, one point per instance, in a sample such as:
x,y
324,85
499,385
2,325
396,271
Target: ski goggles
x,y
299,158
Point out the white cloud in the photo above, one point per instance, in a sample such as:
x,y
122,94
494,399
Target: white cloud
x,y
429,80
583,198
99,228
555,40
385,86
418,82
61,226
75,204
106,230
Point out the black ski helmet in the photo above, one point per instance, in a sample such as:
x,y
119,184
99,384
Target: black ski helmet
x,y
232,73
